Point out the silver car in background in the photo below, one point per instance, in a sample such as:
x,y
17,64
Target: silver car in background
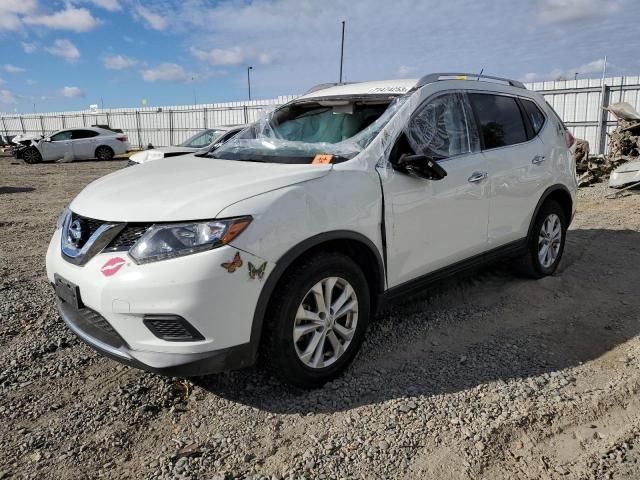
x,y
201,142
76,144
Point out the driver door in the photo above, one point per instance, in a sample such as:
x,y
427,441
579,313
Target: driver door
x,y
59,145
431,224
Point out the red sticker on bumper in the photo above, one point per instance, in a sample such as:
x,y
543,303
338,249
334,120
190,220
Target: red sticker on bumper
x,y
112,266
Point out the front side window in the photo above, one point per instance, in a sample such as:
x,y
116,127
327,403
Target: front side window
x,y
536,117
500,120
202,139
439,128
66,135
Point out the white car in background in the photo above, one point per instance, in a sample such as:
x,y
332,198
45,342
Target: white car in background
x,y
201,142
76,144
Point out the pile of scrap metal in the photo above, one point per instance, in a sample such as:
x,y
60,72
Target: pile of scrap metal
x,y
623,160
624,147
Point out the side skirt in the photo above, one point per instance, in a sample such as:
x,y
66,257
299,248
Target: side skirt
x,y
510,250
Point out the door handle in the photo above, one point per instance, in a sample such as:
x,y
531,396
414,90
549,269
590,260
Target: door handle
x,y
477,177
538,159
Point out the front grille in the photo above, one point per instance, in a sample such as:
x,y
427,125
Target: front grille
x,y
91,323
172,328
127,237
88,227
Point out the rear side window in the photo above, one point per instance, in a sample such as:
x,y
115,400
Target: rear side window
x,y
78,134
60,136
500,120
536,117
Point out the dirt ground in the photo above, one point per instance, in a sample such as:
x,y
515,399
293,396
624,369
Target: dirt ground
x,y
488,376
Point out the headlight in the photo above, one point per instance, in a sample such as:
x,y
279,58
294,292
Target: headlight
x,y
177,239
62,218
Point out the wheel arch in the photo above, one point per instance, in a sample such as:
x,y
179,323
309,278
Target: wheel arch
x,y
559,193
103,145
361,249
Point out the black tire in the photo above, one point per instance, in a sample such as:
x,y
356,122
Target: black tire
x,y
104,152
278,349
530,265
31,155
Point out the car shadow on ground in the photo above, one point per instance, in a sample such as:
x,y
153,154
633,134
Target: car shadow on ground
x,y
8,190
485,327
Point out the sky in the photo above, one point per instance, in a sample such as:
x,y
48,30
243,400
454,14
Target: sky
x,y
69,54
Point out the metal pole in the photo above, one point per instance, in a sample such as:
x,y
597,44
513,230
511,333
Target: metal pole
x,y
42,125
246,114
342,51
603,113
4,126
170,127
138,129
204,116
22,124
249,80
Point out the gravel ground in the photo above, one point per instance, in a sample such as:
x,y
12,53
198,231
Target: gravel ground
x,y
488,376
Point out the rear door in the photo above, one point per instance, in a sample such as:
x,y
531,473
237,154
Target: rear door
x,y
516,167
431,224
84,143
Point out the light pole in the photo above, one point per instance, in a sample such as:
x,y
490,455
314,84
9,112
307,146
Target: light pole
x,y
575,76
249,80
341,52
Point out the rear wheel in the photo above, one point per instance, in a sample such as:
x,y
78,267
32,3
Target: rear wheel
x,y
104,153
31,155
546,243
318,320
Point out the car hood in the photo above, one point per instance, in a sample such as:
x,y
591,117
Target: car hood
x,y
185,188
165,152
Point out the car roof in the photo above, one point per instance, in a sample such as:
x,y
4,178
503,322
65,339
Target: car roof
x,y
378,87
402,86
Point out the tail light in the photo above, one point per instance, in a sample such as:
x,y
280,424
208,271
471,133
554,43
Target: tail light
x,y
122,138
569,139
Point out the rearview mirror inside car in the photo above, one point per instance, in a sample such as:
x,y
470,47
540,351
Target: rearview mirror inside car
x,y
421,166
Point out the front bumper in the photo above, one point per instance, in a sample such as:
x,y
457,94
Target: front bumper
x,y
218,304
170,364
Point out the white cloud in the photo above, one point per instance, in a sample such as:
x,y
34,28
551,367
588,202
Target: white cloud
x,y
29,47
7,67
11,12
230,56
558,11
71,18
166,72
405,71
218,56
30,81
1,80
118,62
71,92
65,49
586,69
110,5
154,20
7,97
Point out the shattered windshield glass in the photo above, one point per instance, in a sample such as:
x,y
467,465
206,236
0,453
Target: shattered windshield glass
x,y
202,139
299,131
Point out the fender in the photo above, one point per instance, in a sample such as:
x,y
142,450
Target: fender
x,y
287,260
545,195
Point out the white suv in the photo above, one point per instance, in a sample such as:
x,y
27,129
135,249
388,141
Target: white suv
x,y
285,242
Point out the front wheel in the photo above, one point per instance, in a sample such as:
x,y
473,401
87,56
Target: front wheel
x,y
546,243
317,321
31,155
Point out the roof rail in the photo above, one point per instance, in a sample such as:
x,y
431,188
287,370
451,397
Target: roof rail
x,y
434,77
322,86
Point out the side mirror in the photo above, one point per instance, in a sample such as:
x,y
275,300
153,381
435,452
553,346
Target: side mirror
x,y
421,166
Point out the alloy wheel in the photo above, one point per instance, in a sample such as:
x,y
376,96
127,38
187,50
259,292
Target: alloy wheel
x,y
325,322
549,240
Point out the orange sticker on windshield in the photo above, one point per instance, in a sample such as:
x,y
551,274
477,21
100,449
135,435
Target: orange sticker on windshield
x,y
322,159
